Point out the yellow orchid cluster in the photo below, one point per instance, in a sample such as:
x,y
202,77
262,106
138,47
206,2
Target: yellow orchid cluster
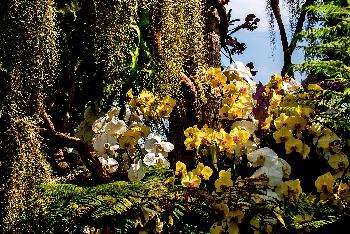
x,y
237,101
289,190
289,131
216,78
193,178
227,142
150,105
275,84
235,92
279,93
132,135
292,115
332,190
209,78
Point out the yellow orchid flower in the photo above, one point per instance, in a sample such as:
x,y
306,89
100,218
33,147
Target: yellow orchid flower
x,y
180,168
129,94
338,162
127,142
289,190
281,121
305,151
229,90
275,99
316,129
224,112
218,228
239,135
203,171
190,180
142,129
208,135
242,87
168,101
276,81
342,190
226,143
296,122
163,111
288,100
146,98
246,99
238,110
192,131
267,123
282,135
325,183
293,144
325,140
224,180
193,143
228,101
136,132
216,77
206,172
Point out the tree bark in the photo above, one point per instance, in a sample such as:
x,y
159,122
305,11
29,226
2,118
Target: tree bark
x,y
188,113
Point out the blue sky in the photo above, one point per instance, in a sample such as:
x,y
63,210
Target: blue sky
x,y
259,49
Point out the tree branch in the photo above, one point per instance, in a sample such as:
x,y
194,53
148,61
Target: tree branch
x,y
86,152
299,25
284,40
277,13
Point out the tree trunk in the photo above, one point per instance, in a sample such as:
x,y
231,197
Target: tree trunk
x,y
188,112
28,44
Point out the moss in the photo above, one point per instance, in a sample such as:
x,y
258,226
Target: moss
x,y
24,166
28,41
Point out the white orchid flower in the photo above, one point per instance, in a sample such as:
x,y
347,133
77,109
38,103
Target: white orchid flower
x,y
291,85
263,156
285,167
273,174
136,171
157,151
238,68
110,164
116,127
99,124
250,126
104,143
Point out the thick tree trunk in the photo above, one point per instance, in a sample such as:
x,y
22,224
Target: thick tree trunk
x,y
189,113
28,45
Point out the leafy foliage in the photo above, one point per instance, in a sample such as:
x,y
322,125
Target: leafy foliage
x,y
328,60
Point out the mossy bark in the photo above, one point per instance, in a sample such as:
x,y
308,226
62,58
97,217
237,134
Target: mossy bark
x,y
29,58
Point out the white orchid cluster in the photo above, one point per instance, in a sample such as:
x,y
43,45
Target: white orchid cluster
x,y
270,165
125,144
238,71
